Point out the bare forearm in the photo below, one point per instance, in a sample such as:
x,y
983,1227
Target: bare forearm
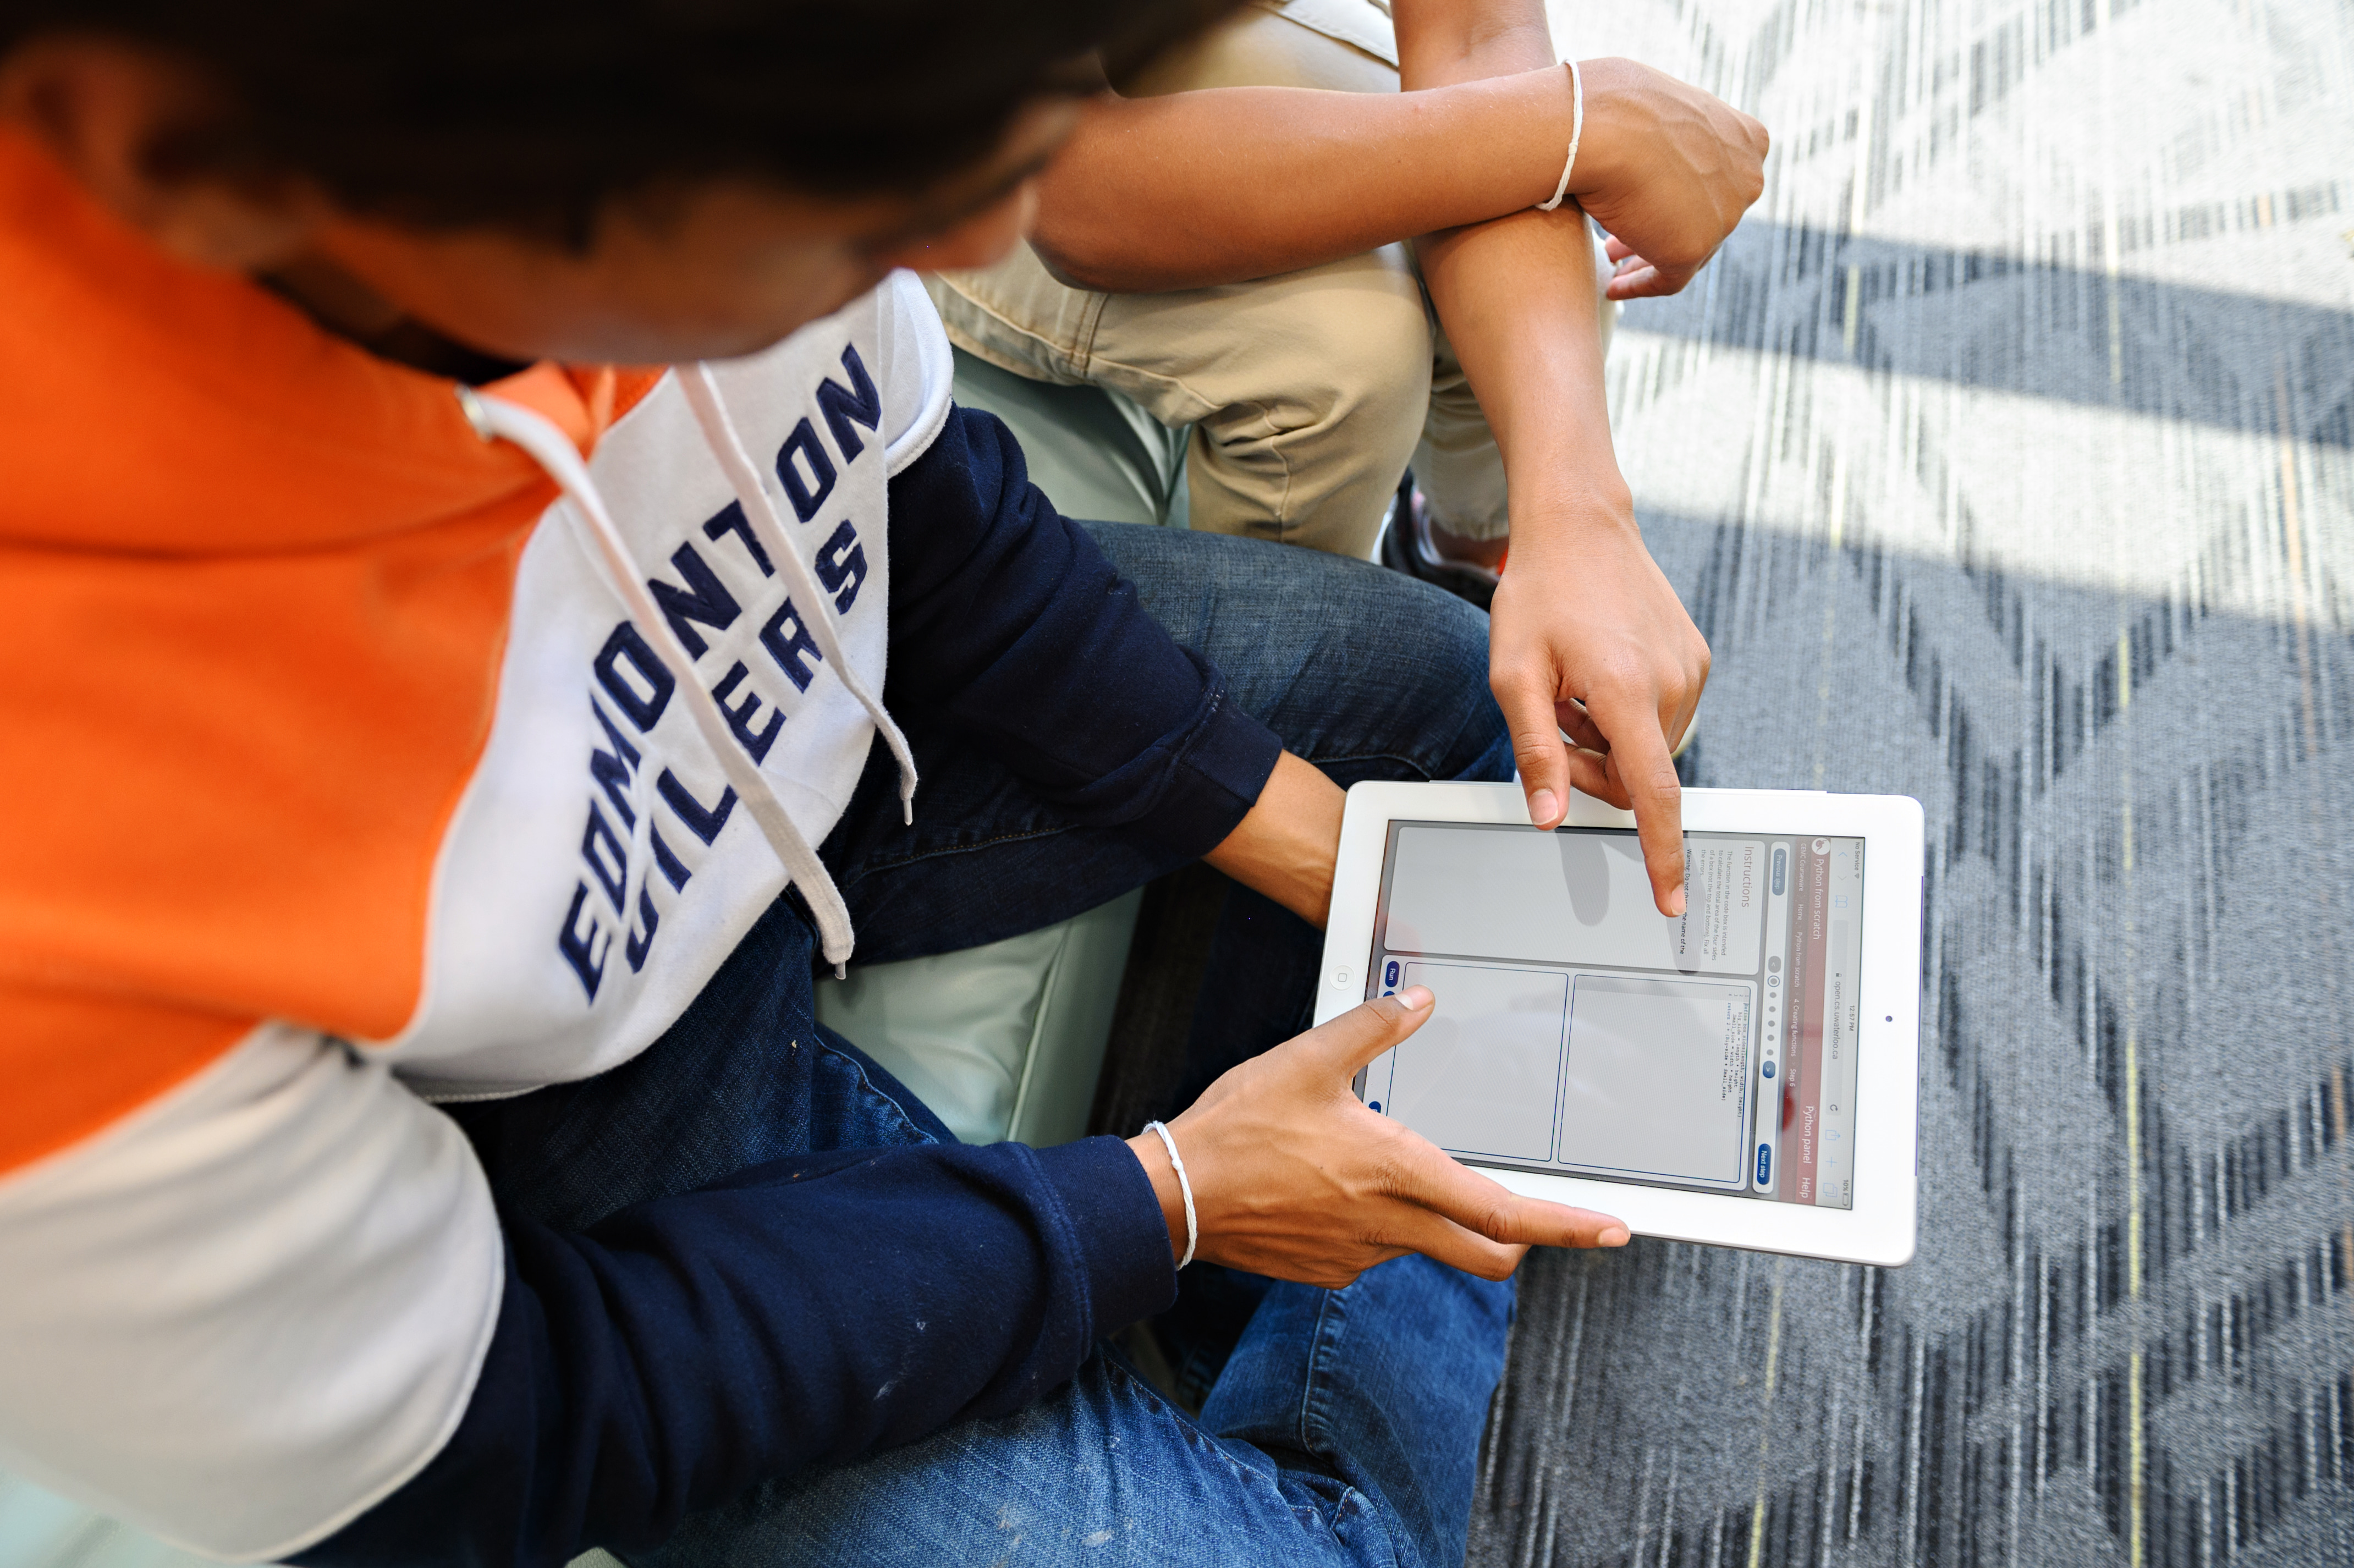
x,y
1443,42
1286,846
1517,293
1228,184
1518,298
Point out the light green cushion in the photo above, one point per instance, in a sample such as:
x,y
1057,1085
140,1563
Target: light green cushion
x,y
1096,453
41,1529
1000,1042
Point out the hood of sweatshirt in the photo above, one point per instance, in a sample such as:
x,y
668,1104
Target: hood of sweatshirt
x,y
256,594
220,417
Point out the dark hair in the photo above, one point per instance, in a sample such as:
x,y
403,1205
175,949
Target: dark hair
x,y
534,113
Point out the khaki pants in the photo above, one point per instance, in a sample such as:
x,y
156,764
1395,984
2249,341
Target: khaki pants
x,y
1308,393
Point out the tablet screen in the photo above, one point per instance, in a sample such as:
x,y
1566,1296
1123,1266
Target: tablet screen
x,y
1579,1032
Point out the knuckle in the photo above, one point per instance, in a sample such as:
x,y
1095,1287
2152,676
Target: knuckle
x,y
1513,678
1390,1175
1533,748
1495,1220
1688,247
1401,1168
1629,676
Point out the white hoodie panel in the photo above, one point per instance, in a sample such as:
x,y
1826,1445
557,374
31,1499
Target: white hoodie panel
x,y
260,1303
525,910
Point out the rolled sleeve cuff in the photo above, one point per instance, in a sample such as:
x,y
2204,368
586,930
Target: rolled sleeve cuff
x,y
1187,790
1222,767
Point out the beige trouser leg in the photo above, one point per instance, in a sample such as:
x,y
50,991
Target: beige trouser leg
x,y
1307,393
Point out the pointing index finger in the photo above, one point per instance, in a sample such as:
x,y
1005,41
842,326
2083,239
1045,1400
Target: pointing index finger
x,y
1639,758
1457,1193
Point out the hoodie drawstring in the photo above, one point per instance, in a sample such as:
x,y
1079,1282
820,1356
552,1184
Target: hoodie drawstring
x,y
719,434
494,419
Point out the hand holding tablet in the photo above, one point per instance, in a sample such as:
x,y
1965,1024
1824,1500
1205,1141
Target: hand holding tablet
x,y
1293,1177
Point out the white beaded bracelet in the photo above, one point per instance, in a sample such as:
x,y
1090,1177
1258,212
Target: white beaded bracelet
x,y
1185,1186
1576,129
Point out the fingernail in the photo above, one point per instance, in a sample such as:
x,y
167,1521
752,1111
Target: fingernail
x,y
1416,998
1542,807
1615,1236
1676,902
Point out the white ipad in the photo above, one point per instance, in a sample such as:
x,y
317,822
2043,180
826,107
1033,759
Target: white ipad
x,y
1745,1075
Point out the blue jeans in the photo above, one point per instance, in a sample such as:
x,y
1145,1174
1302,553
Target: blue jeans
x,y
1345,1425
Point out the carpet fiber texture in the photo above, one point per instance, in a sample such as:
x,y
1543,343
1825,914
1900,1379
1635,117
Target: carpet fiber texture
x,y
2004,459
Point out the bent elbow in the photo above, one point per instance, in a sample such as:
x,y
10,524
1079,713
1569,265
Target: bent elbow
x,y
1072,260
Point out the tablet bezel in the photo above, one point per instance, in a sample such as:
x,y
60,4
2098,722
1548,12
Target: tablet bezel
x,y
1880,1228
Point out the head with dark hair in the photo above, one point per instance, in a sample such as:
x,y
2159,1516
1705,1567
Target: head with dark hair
x,y
537,121
534,112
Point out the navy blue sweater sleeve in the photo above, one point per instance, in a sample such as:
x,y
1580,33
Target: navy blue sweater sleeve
x,y
800,1313
1008,623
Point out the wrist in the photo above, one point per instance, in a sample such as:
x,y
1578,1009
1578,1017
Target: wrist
x,y
1614,117
1581,507
1563,534
1154,1156
1521,123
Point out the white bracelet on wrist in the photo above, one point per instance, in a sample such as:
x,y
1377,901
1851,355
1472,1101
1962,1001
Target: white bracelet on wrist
x,y
1185,1186
1577,129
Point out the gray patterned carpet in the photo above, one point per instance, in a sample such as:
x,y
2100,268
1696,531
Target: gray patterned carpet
x,y
2006,460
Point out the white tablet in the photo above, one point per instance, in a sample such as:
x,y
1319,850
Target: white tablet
x,y
1744,1075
